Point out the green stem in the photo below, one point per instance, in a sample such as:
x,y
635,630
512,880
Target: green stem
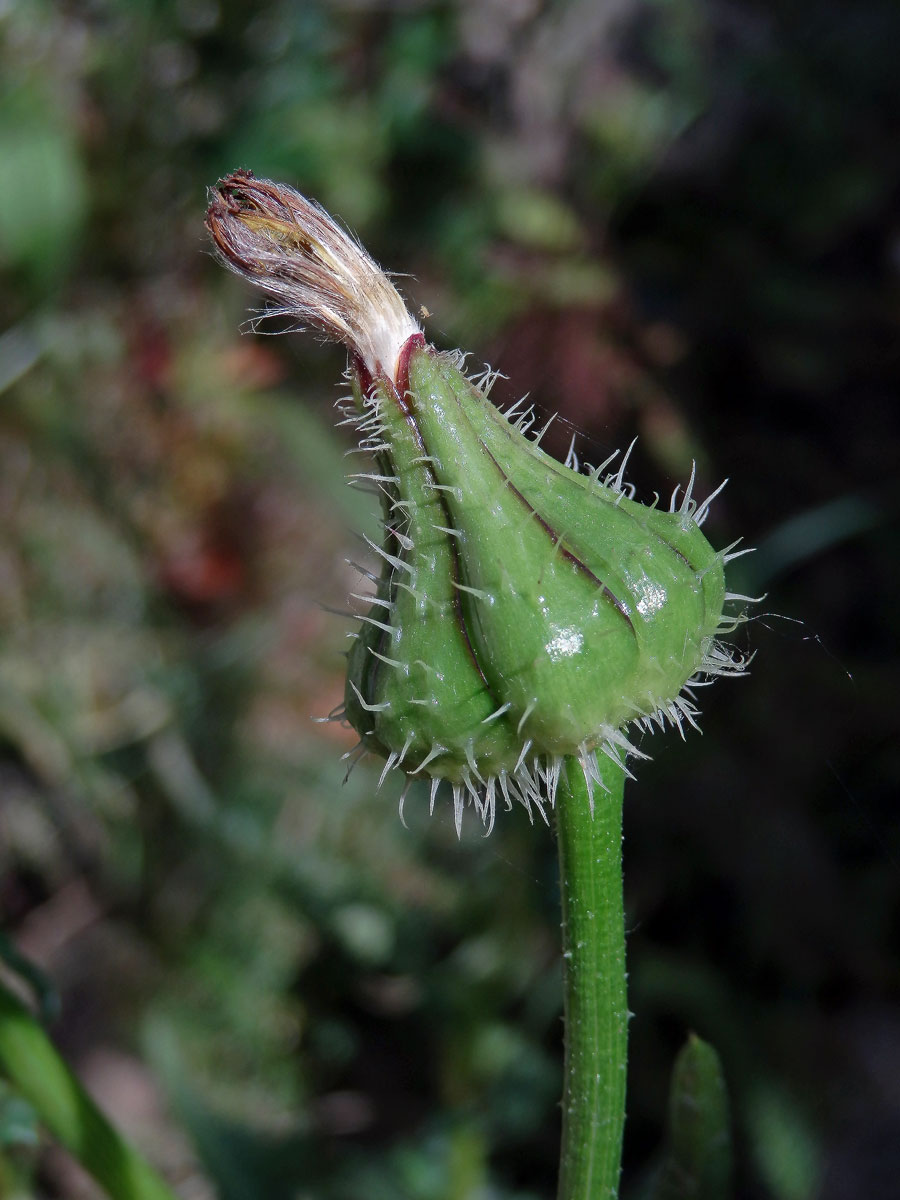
x,y
33,1067
596,1009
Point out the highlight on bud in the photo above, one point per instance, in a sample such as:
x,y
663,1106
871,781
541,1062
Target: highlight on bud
x,y
525,611
292,249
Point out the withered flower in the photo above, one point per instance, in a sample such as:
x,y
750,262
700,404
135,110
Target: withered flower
x,y
292,249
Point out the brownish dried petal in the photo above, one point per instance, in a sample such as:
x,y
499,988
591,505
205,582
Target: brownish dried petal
x,y
293,250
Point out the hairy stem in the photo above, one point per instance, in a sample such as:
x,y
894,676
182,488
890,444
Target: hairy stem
x,y
596,1011
31,1064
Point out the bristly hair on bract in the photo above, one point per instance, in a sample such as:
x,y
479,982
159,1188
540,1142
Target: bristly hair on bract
x,y
494,745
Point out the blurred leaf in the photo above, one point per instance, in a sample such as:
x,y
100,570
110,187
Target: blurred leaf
x,y
807,535
41,985
538,219
19,1145
787,1152
19,351
35,1069
698,1162
43,190
18,1121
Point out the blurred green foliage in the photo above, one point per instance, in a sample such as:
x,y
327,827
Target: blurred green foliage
x,y
675,218
697,1164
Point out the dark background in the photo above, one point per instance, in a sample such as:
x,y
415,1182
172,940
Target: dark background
x,y
670,218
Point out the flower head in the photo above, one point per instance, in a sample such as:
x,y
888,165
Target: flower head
x,y
526,611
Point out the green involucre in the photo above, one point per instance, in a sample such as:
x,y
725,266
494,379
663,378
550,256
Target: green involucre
x,y
525,612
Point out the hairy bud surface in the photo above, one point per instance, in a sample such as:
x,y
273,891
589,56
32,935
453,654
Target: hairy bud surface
x,y
526,611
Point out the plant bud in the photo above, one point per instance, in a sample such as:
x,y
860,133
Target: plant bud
x,y
526,611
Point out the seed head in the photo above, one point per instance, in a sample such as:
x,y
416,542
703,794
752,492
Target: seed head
x,y
293,250
526,611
